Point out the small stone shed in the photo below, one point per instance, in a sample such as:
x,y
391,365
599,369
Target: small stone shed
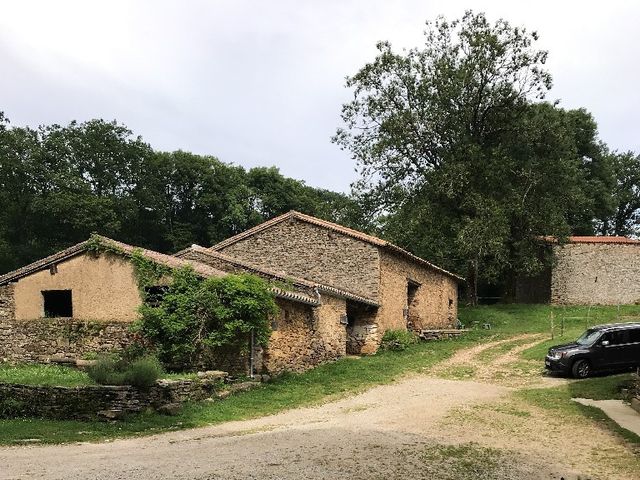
x,y
403,291
80,301
587,270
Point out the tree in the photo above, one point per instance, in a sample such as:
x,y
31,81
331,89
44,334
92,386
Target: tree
x,y
624,216
454,155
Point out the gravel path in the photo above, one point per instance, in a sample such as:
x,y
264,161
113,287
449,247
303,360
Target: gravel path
x,y
391,431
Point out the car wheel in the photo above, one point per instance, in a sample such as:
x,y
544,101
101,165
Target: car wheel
x,y
581,369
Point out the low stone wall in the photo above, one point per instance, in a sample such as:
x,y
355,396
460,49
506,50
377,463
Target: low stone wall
x,y
46,338
97,401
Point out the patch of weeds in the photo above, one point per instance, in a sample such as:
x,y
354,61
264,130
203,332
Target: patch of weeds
x,y
458,372
467,461
510,409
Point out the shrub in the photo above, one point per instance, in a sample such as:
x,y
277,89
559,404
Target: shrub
x,y
198,317
111,370
397,340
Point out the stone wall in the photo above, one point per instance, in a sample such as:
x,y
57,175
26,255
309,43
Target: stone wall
x,y
308,251
46,338
435,302
96,401
7,302
305,336
596,273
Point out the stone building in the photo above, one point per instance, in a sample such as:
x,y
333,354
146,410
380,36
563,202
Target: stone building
x,y
586,271
337,291
403,290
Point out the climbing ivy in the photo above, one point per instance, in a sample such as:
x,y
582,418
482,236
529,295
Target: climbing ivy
x,y
147,271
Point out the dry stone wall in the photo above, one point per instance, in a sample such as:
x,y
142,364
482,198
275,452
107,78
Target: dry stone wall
x,y
97,401
308,251
46,338
596,273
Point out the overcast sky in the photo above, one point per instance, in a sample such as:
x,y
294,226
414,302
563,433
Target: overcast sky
x,y
262,82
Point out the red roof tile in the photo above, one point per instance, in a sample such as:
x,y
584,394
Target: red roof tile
x,y
594,239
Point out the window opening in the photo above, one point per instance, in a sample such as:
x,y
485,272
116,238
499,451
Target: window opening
x,y
57,303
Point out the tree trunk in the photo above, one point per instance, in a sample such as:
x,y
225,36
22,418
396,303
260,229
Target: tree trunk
x,y
472,283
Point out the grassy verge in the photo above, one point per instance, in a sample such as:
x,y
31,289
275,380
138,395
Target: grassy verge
x,y
558,400
324,383
52,375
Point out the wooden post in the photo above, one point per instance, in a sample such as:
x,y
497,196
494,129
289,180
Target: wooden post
x,y
551,319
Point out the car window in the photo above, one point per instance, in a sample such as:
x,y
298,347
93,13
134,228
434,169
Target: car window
x,y
619,337
634,335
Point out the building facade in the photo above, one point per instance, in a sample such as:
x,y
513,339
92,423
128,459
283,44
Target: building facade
x,y
410,293
587,271
338,291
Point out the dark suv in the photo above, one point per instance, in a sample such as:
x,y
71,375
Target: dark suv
x,y
606,347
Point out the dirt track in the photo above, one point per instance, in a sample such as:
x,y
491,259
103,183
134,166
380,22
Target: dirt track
x,y
390,431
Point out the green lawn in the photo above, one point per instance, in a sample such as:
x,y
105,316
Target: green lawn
x,y
53,375
327,382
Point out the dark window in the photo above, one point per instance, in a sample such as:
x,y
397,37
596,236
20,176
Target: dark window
x,y
619,337
155,294
634,335
57,303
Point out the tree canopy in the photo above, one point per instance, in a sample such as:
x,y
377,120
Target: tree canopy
x,y
463,162
58,184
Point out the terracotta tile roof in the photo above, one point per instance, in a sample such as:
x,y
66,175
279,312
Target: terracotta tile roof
x,y
336,228
334,291
79,248
594,239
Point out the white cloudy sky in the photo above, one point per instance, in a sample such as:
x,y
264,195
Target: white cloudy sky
x,y
261,82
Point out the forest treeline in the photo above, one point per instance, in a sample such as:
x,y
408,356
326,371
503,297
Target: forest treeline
x,y
461,160
58,184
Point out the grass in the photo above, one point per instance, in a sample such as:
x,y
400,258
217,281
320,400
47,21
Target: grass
x,y
52,375
558,400
326,382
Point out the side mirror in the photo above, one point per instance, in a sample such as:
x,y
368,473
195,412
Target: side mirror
x,y
604,343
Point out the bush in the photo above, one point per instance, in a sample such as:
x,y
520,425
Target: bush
x,y
197,318
111,370
397,340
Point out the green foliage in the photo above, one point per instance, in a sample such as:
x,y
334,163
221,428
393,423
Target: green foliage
x,y
140,372
397,340
58,184
197,317
461,161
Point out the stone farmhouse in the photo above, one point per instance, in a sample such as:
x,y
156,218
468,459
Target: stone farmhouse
x,y
337,291
586,271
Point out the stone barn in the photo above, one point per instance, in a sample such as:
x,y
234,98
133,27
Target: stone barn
x,y
79,301
403,291
586,271
338,290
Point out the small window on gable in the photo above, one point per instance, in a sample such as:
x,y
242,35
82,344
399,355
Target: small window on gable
x,y
57,303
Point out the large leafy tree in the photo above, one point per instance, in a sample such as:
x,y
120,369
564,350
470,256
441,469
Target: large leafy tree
x,y
455,155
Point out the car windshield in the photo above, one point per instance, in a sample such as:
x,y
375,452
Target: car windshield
x,y
588,337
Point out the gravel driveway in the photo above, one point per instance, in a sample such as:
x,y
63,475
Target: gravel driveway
x,y
414,428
